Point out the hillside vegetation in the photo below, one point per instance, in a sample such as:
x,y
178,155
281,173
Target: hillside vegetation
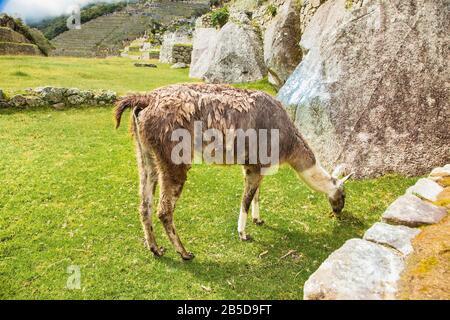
x,y
16,33
107,34
55,26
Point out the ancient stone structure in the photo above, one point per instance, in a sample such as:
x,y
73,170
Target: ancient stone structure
x,y
58,98
372,90
16,39
371,268
177,38
282,53
238,55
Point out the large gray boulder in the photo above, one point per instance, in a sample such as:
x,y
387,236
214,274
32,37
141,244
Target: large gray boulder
x,y
426,189
204,44
411,211
359,270
373,89
397,237
282,52
238,56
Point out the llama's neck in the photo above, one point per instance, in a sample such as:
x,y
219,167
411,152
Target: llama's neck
x,y
310,171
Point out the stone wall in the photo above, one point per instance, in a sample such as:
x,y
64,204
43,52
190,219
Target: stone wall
x,y
9,35
370,268
169,41
58,98
181,53
11,48
371,90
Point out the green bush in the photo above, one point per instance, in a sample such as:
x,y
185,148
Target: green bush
x,y
272,10
220,17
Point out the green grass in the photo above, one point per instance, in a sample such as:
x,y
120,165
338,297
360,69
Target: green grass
x,y
68,196
117,74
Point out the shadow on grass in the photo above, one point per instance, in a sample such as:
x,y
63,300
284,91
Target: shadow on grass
x,y
312,250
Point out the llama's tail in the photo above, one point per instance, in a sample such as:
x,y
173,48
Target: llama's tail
x,y
129,102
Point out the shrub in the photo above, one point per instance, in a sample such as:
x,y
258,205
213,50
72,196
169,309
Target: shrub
x,y
220,17
272,10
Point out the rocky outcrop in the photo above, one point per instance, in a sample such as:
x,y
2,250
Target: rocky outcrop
x,y
282,52
204,44
238,55
372,89
59,98
309,8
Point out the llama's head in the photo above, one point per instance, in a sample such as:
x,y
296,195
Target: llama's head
x,y
337,198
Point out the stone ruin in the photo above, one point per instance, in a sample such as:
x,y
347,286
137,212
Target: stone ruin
x,y
57,98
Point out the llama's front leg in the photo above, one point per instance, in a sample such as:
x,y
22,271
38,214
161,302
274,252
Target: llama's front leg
x,y
255,210
252,181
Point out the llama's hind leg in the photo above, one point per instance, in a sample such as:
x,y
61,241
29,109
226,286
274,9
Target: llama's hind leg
x,y
171,187
148,179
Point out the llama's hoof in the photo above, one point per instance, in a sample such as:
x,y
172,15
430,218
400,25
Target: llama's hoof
x,y
188,256
158,252
258,222
245,237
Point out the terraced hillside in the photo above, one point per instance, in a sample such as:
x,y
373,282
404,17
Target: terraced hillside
x,y
18,39
105,35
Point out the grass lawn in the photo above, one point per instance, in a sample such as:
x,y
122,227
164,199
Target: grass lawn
x,y
117,74
68,196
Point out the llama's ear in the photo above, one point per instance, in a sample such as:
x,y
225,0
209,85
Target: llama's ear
x,y
348,177
338,171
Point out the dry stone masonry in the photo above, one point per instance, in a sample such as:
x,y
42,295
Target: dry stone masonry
x,y
58,98
370,268
180,39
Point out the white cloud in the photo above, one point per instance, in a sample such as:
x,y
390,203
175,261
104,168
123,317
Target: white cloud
x,y
32,10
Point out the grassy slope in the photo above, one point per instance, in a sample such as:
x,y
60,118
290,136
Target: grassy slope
x,y
68,196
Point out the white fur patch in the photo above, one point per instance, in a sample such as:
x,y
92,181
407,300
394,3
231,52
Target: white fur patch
x,y
242,221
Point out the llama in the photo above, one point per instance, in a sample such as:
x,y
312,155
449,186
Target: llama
x,y
157,114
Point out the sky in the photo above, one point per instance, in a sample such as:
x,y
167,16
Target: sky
x,y
35,10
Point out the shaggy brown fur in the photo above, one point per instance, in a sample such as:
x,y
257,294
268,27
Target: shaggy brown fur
x,y
158,113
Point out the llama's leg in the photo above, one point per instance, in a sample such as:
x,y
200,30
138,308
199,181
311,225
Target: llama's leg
x,y
252,181
255,209
148,178
171,187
